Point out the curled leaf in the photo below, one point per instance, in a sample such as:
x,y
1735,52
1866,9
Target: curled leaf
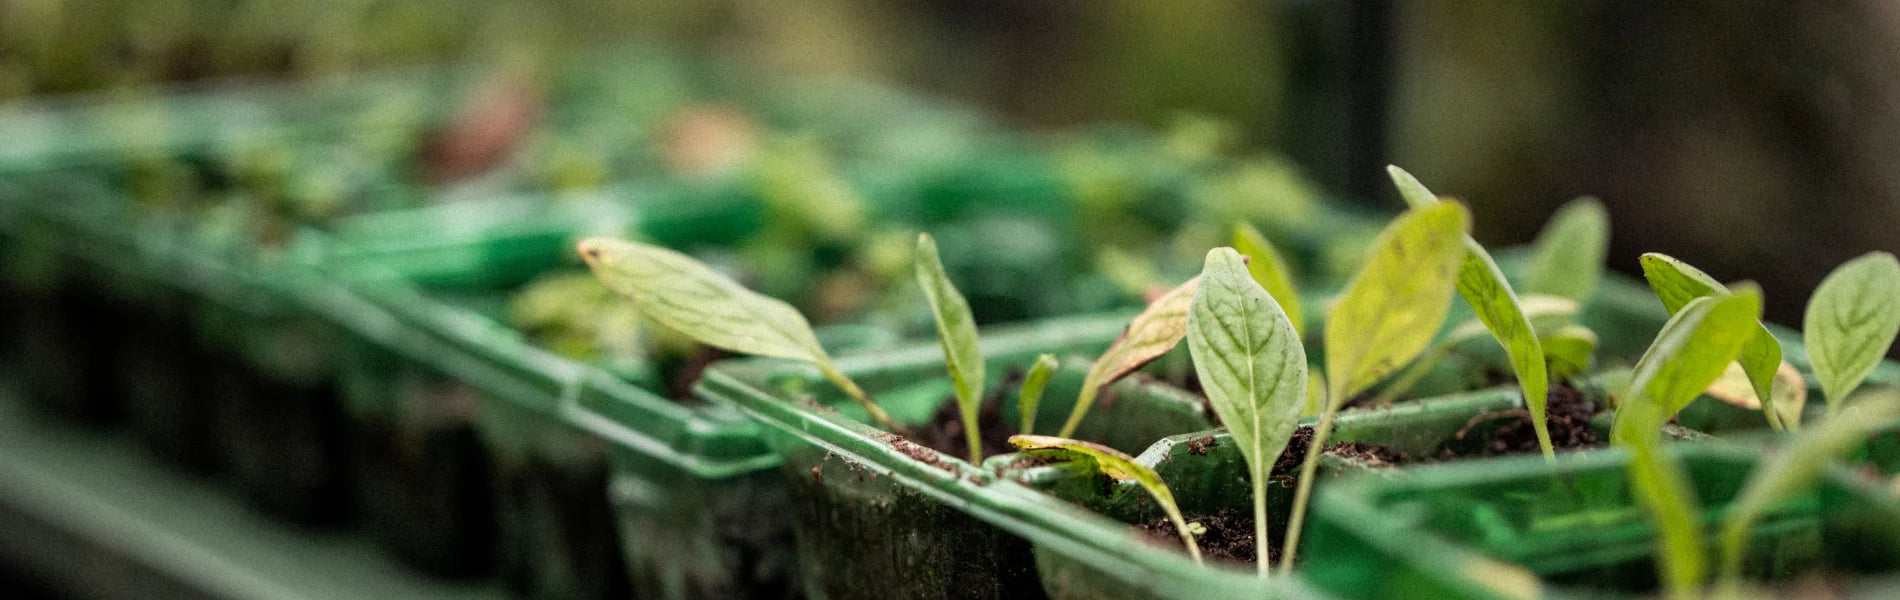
x,y
1151,334
956,331
1121,467
1567,257
1269,270
1676,283
685,295
1252,367
1851,322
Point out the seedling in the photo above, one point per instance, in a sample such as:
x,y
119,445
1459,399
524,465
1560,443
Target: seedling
x,y
1689,353
678,292
1121,467
1385,318
1268,269
1484,288
1851,322
1676,283
956,330
1252,367
1034,382
1549,316
1151,334
1566,261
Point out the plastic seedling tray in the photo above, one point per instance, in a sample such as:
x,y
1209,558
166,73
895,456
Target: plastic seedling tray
x,y
1522,528
878,516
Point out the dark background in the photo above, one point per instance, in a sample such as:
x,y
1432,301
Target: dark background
x,y
1755,139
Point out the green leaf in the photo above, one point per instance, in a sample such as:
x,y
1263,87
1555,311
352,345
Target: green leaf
x,y
1658,484
1252,368
1269,270
1567,258
1394,305
1793,469
1151,334
1851,322
685,295
1676,283
1495,304
1690,352
956,330
1033,384
1568,350
1791,392
1119,466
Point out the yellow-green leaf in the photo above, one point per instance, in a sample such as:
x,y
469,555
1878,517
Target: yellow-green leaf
x,y
956,331
1690,352
1568,350
1251,366
1851,322
1151,334
1394,305
1119,466
1270,271
1567,258
1495,304
1791,392
685,295
1033,384
1676,283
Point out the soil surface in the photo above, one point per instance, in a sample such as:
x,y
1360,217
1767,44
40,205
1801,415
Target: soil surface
x,y
1286,470
1568,415
1228,536
944,431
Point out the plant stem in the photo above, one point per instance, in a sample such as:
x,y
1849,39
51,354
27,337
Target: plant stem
x,y
856,393
1541,423
1260,521
1308,469
971,435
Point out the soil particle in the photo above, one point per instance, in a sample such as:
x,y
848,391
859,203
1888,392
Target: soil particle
x,y
944,432
1200,445
1033,460
916,452
818,475
1286,470
1228,536
1567,414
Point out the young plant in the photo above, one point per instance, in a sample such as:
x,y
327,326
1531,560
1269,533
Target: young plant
x,y
1851,322
1676,283
1490,296
678,292
1796,467
1119,466
1550,318
1566,260
956,330
1269,270
1151,334
1034,383
1384,318
1692,349
1252,367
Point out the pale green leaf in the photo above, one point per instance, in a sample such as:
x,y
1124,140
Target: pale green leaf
x,y
1033,384
1851,322
1495,304
1676,283
1791,392
1568,350
686,296
1796,467
1394,305
1567,258
1121,467
1151,334
1690,352
1658,483
1270,271
956,331
1251,366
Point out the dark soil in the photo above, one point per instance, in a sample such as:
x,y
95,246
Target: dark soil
x,y
1286,470
944,431
1228,536
1568,415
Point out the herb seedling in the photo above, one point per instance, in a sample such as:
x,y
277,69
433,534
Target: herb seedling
x,y
956,331
1490,296
678,292
1385,318
1121,467
1269,269
1252,367
1676,283
1034,382
1851,322
1692,349
1151,334
1566,260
